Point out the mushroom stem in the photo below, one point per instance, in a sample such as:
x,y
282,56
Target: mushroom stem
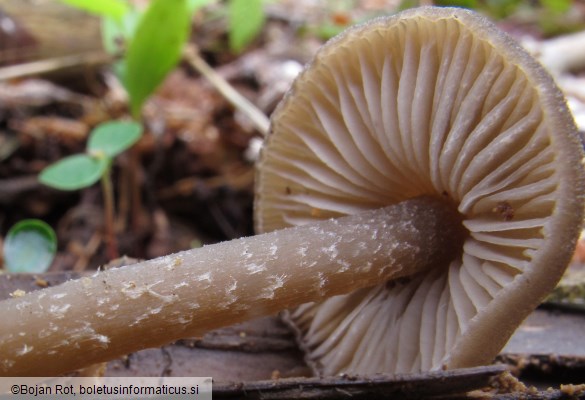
x,y
90,320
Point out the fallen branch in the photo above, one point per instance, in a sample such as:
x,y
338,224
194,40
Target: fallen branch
x,y
94,58
440,384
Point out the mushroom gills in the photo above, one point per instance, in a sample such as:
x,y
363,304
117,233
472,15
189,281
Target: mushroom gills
x,y
429,102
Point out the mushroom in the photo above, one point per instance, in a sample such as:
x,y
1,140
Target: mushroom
x,y
121,310
429,102
459,226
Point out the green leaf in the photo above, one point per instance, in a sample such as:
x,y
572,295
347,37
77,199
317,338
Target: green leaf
x,y
246,19
113,137
116,33
108,8
155,49
501,8
406,4
556,6
326,31
194,5
74,172
30,247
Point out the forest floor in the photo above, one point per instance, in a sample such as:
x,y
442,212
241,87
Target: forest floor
x,y
196,158
196,169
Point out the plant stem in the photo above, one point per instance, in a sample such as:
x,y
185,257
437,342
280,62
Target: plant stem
x,y
257,117
108,193
62,328
135,190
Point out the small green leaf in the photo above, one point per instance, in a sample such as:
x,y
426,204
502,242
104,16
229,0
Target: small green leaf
x,y
501,8
155,49
117,33
556,6
406,4
113,137
246,19
326,31
108,8
74,172
194,5
30,247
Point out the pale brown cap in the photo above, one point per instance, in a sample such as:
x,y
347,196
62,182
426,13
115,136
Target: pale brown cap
x,y
431,101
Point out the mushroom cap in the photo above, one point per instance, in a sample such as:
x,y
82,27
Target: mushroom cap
x,y
439,102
